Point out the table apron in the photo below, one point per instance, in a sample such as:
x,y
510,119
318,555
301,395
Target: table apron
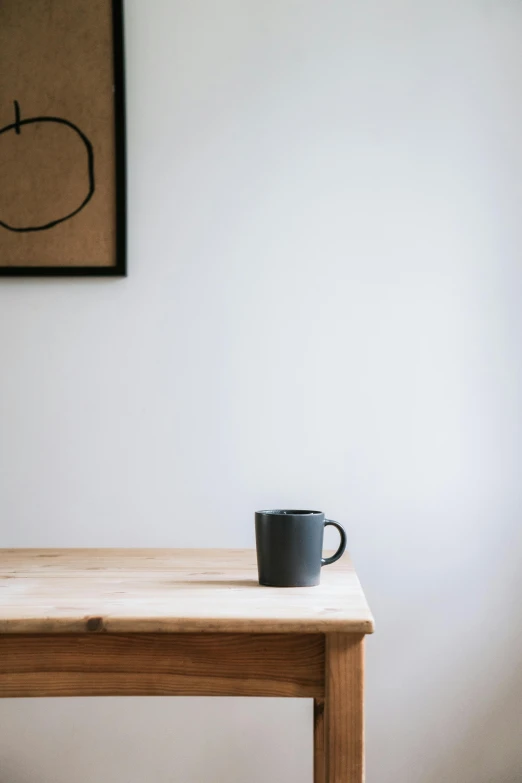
x,y
175,664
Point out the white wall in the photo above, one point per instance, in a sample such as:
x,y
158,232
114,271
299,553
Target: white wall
x,y
323,308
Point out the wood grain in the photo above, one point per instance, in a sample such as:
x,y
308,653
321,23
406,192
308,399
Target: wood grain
x,y
165,591
319,737
344,711
290,665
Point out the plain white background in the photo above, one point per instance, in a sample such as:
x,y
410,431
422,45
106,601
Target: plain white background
x,y
323,309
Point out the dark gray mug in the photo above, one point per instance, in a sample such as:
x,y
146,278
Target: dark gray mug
x,y
290,547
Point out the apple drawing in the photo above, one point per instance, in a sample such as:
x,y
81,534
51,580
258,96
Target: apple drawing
x,y
46,172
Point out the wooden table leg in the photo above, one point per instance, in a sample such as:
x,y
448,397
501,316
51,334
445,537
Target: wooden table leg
x,y
319,760
344,719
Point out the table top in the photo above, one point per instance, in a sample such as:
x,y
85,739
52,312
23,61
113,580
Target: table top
x,y
170,591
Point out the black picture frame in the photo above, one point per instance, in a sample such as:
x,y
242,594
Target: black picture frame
x,y
119,268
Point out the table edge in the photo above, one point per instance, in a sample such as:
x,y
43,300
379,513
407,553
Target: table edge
x,y
100,625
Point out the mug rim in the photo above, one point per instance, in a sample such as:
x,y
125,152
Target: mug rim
x,y
287,512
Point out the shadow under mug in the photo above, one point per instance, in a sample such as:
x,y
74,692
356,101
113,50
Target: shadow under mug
x,y
289,547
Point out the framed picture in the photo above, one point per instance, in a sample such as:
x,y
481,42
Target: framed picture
x,y
62,138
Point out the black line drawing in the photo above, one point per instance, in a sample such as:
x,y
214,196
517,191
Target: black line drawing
x,y
17,127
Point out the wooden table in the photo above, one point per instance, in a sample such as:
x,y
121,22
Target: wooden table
x,y
100,622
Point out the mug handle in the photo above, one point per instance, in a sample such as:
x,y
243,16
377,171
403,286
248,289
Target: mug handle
x,y
342,545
